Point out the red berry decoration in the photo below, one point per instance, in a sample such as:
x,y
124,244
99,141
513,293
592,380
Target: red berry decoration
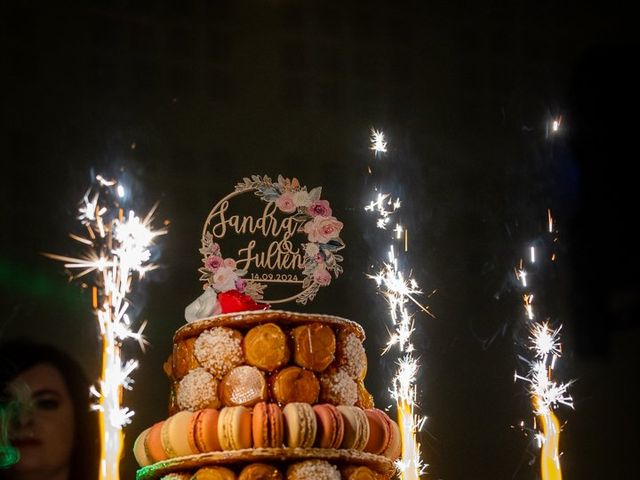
x,y
234,301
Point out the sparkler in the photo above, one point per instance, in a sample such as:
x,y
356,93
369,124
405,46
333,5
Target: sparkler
x,y
117,247
378,142
399,290
545,393
553,126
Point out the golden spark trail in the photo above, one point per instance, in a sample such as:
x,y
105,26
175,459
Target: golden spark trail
x,y
544,391
549,456
120,249
398,291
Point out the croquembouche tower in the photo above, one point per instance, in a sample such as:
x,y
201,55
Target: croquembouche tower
x,y
259,393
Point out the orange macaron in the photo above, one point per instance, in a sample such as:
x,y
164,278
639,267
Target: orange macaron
x,y
153,443
379,431
204,430
267,425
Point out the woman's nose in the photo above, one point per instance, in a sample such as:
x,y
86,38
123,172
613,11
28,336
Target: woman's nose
x,y
23,417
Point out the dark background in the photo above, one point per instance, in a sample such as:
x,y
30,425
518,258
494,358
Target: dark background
x,y
183,99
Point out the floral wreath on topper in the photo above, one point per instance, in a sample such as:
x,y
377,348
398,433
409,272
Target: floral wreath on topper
x,y
307,209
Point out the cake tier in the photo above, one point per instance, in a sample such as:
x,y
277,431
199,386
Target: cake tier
x,y
280,457
278,356
252,318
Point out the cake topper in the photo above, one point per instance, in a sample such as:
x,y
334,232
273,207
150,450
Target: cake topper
x,y
291,245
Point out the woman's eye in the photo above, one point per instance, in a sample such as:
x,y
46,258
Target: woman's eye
x,y
47,403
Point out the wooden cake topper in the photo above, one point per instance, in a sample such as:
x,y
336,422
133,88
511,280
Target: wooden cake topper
x,y
288,250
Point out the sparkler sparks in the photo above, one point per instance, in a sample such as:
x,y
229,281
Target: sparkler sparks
x,y
399,290
384,205
554,126
378,142
117,247
546,394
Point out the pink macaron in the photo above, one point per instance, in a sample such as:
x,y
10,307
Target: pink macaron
x,y
330,426
394,448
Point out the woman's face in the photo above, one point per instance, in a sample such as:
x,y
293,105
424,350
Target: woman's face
x,y
43,427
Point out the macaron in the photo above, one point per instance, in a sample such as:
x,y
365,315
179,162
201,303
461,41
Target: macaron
x,y
139,451
204,430
260,471
214,473
356,427
175,435
267,425
300,425
330,426
379,431
234,428
394,449
153,444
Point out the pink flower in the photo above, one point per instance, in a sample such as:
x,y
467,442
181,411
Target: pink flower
x,y
215,248
285,203
230,262
322,229
241,284
213,262
224,279
320,208
322,276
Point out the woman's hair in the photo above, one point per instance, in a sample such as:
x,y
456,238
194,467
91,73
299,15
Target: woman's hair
x,y
17,356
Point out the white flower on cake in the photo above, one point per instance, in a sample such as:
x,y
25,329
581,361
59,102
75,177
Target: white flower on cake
x,y
221,275
204,306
